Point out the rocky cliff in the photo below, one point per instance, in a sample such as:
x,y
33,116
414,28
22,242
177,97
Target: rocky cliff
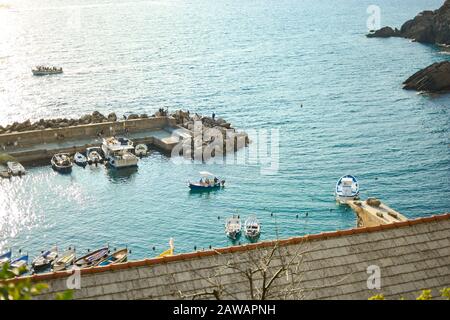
x,y
426,27
434,78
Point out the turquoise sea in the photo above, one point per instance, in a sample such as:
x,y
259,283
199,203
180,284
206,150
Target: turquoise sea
x,y
254,63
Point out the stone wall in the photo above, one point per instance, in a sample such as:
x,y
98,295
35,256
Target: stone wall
x,y
412,256
16,140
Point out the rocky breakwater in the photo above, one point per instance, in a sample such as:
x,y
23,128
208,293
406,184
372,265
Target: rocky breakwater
x,y
42,124
210,137
426,27
434,78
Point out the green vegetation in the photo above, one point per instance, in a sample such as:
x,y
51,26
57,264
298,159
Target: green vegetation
x,y
4,158
425,295
23,289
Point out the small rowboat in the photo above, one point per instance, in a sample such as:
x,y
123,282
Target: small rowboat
x,y
91,259
252,227
15,168
5,257
80,159
45,260
19,266
64,261
62,163
117,257
347,189
233,227
141,150
93,155
208,182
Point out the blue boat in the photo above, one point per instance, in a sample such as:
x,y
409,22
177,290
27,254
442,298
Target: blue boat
x,y
117,257
80,159
347,189
5,257
208,182
18,264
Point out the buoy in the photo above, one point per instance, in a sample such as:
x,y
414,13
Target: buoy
x,y
154,248
195,248
296,216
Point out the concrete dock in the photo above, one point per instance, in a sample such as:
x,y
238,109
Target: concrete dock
x,y
372,212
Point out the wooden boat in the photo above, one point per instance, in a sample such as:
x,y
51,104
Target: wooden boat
x,y
80,159
93,155
4,171
208,181
15,168
19,265
62,163
92,258
347,189
45,260
5,257
116,257
64,261
252,227
43,70
233,227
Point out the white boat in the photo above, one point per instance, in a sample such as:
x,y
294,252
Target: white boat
x,y
93,155
347,189
64,261
252,227
45,259
233,227
141,150
43,70
118,152
80,159
15,168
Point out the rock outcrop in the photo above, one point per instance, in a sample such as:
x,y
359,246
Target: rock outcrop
x,y
434,78
426,27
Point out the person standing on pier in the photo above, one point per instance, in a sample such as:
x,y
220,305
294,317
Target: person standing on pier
x,y
213,116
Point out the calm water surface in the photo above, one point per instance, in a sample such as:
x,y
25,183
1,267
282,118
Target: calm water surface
x,y
253,63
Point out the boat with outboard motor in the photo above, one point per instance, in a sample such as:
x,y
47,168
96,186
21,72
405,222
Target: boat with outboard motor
x,y
116,257
80,159
62,162
19,265
94,155
252,227
15,168
208,181
118,152
347,189
233,227
45,259
5,257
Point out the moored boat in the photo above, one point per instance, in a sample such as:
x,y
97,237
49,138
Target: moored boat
x,y
141,150
15,168
116,257
19,265
45,259
44,70
92,258
347,189
233,227
61,162
5,257
208,181
118,152
252,227
80,159
64,261
94,155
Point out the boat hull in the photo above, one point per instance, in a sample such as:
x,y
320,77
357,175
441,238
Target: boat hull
x,y
61,169
196,187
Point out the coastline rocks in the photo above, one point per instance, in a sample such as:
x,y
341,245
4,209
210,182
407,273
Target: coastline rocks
x,y
434,78
385,32
426,27
112,117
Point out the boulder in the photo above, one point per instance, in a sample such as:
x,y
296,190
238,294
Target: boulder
x,y
133,116
144,116
112,117
434,78
384,32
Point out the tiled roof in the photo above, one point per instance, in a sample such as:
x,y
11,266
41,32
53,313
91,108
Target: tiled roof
x,y
412,255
